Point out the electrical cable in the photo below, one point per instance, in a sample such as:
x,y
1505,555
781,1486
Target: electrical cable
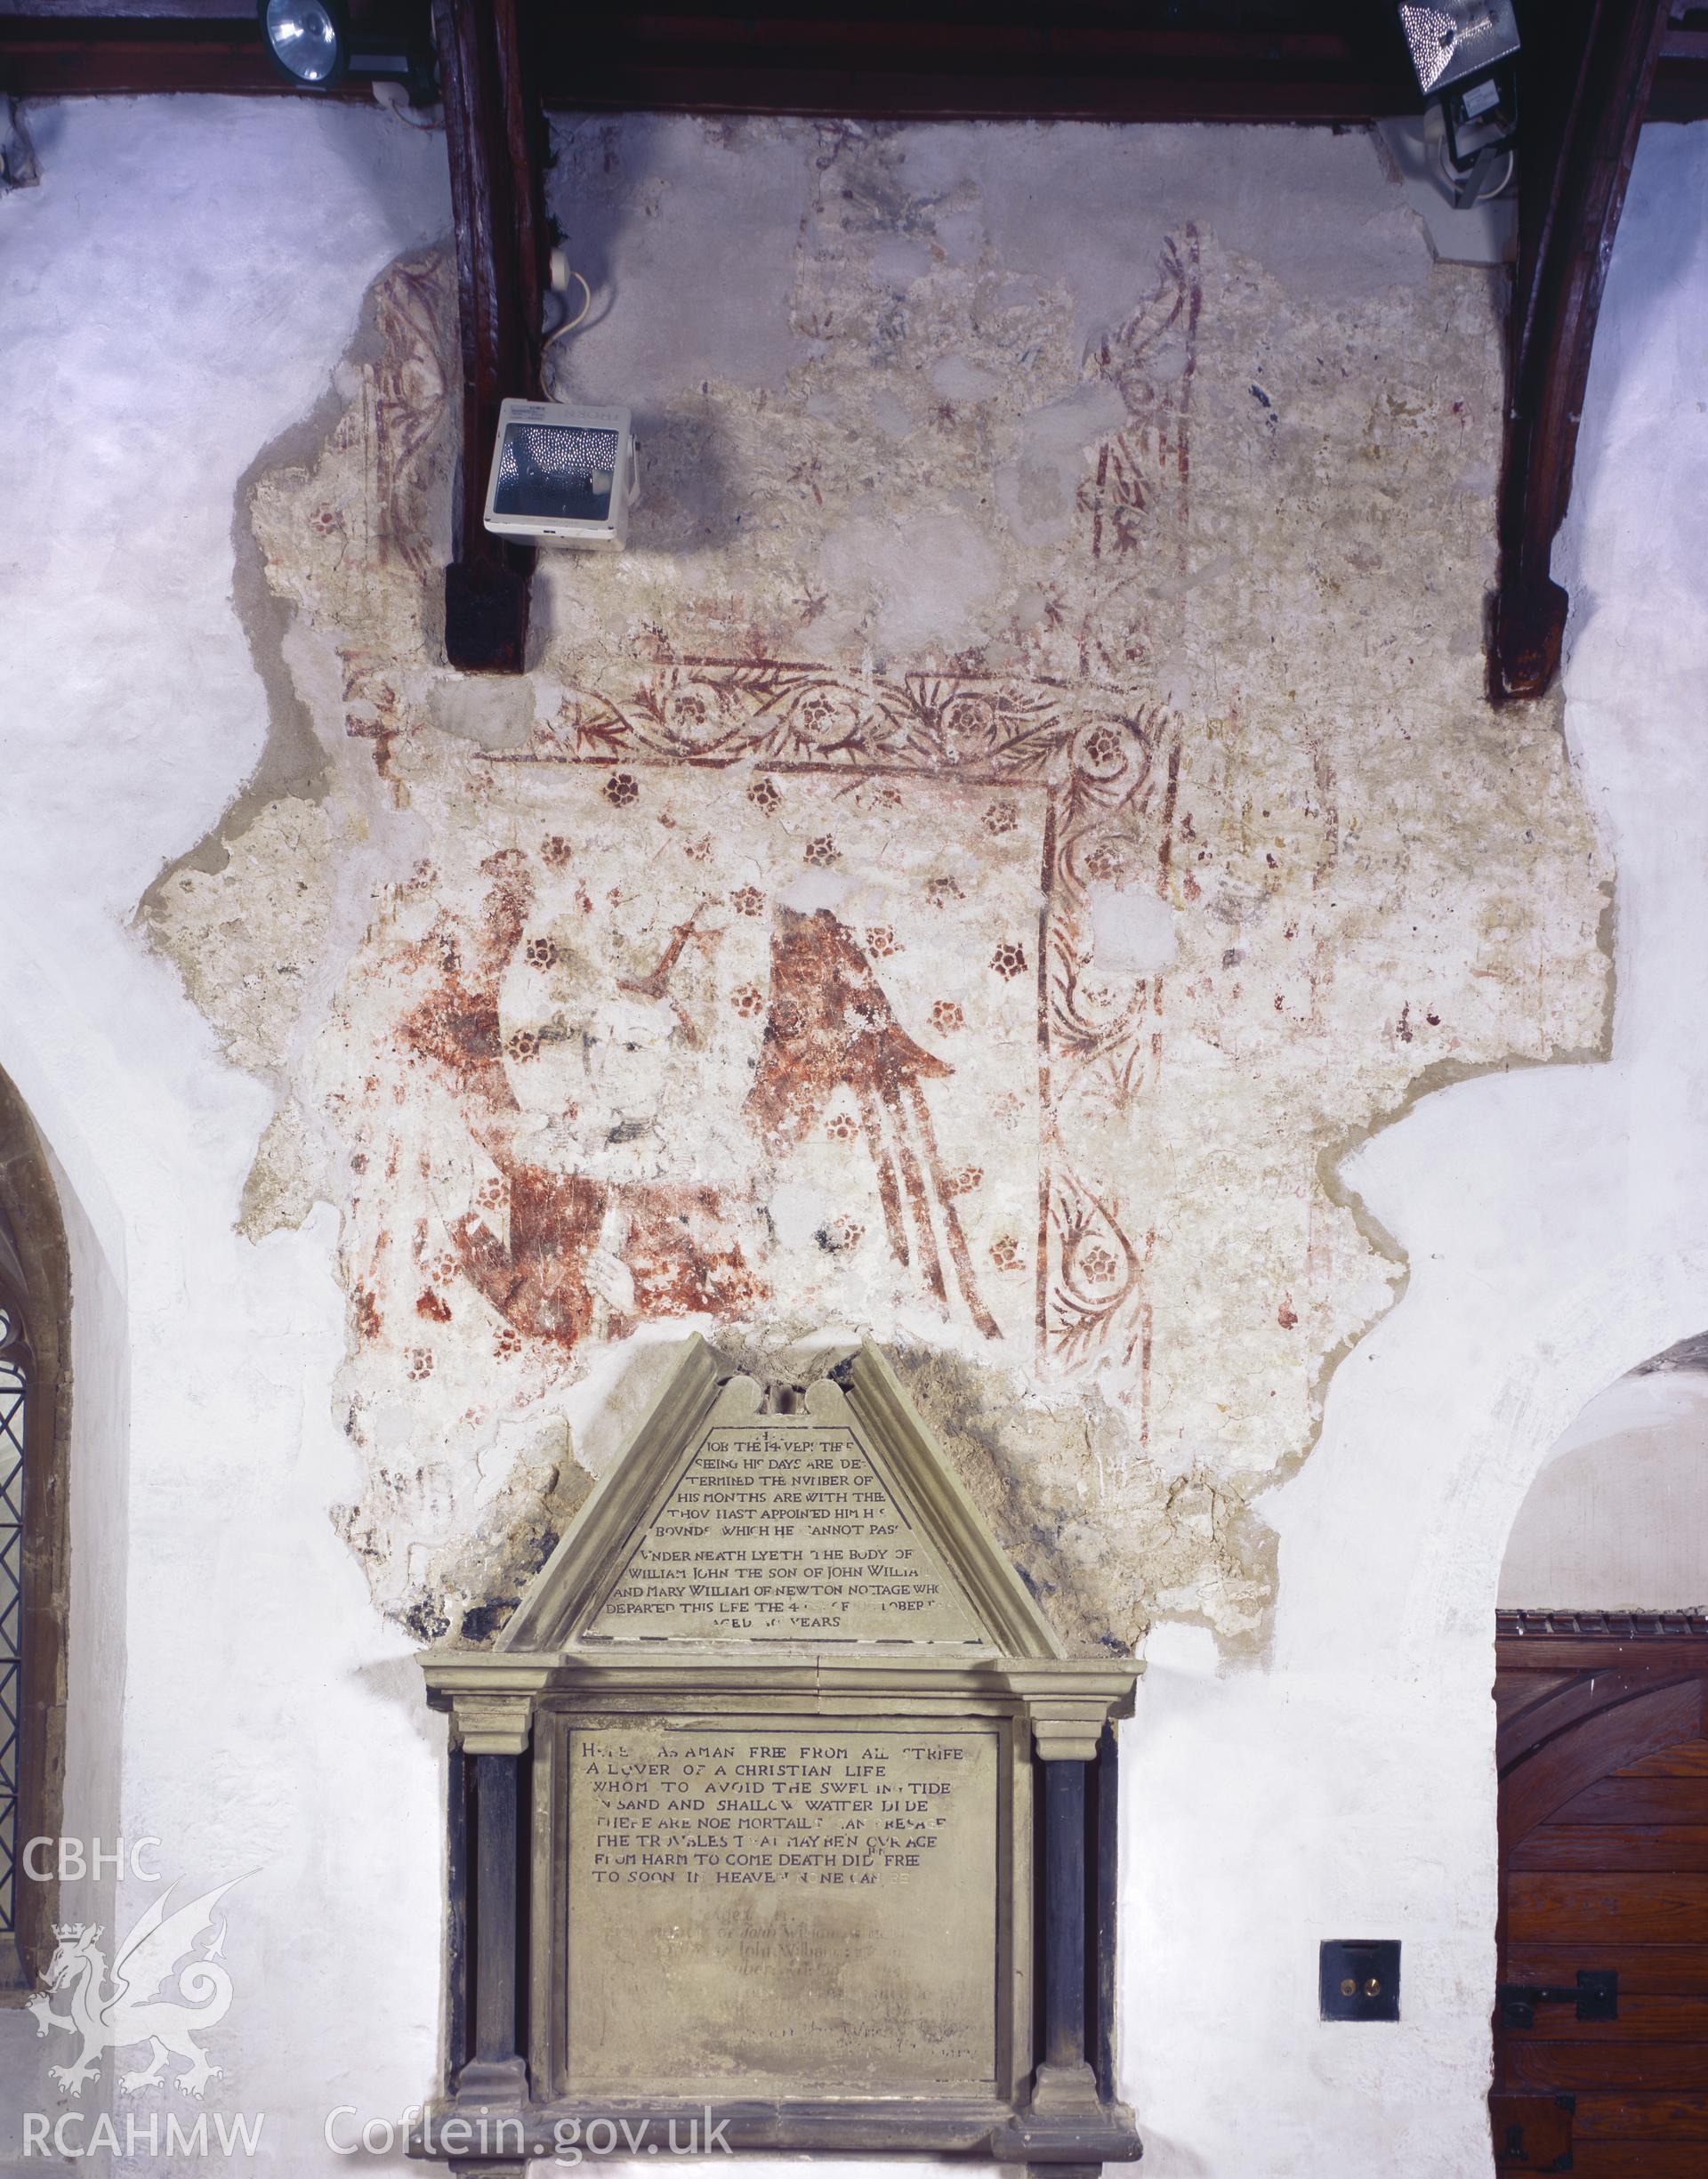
x,y
562,277
1458,180
395,99
569,324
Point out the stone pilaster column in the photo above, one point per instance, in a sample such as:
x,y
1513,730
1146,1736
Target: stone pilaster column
x,y
493,1730
1065,2084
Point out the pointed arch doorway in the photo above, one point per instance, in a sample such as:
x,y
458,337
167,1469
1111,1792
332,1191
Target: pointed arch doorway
x,y
1601,2025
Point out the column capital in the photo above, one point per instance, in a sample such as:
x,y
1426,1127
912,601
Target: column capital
x,y
1067,1732
492,1724
1070,1700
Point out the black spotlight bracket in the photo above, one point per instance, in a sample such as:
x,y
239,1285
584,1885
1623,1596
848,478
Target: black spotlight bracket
x,y
1481,118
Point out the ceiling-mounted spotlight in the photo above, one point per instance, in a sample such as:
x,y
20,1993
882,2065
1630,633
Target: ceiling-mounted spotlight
x,y
308,39
1463,54
314,45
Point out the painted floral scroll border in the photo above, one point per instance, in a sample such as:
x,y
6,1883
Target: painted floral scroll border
x,y
1109,768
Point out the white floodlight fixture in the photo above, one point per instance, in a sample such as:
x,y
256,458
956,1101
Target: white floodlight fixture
x,y
1463,54
563,473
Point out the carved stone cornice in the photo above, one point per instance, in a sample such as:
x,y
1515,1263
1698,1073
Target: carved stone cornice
x,y
1067,1700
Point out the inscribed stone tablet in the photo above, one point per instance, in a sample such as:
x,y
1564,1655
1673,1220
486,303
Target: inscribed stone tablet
x,y
785,1533
792,1910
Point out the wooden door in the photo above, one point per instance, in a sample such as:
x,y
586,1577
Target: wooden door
x,y
1601,2026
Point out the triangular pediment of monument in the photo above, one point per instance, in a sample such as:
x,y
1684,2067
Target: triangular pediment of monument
x,y
836,1524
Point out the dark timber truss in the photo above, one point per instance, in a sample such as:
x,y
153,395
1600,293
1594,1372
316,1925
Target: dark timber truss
x,y
1592,72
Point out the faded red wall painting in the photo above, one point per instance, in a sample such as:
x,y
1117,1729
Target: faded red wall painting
x,y
750,963
1042,785
712,997
837,928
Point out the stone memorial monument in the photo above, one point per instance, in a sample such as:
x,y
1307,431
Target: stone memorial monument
x,y
771,1825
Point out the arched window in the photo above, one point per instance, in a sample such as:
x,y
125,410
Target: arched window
x,y
14,1391
35,1297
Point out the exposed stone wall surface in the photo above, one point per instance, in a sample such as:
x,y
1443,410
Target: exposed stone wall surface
x,y
1021,810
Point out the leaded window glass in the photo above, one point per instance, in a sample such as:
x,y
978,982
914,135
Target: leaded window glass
x,y
11,1605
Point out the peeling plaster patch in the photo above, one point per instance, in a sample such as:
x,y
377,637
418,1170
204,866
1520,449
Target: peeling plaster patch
x,y
1054,1481
1040,491
960,235
287,1178
1312,209
1689,1354
798,1213
661,219
19,167
958,378
247,938
491,712
899,263
874,913
813,889
605,1406
1133,934
253,916
927,583
543,1487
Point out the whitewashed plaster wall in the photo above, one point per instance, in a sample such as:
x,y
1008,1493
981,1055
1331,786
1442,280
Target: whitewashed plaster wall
x,y
1616,1518
172,294
179,294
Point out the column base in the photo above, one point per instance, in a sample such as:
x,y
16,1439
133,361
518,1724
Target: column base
x,y
1064,2091
1067,2125
495,2084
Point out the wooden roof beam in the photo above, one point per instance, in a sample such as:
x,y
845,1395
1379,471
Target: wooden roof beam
x,y
494,133
1583,105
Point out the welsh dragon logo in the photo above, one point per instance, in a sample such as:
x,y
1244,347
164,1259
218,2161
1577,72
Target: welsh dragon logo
x,y
137,2008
